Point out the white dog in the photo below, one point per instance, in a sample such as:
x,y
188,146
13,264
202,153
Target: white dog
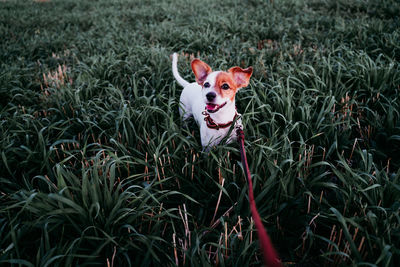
x,y
211,99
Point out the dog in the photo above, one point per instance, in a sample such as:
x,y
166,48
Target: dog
x,y
211,99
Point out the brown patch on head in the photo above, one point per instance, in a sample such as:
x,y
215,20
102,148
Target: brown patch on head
x,y
226,78
200,70
235,78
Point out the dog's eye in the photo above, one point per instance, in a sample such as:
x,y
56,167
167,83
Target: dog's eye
x,y
225,86
206,85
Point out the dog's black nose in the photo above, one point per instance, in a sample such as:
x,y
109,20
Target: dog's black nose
x,y
210,96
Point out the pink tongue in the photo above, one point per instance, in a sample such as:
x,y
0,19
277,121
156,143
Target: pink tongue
x,y
211,106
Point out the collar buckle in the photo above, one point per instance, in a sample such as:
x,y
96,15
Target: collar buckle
x,y
213,125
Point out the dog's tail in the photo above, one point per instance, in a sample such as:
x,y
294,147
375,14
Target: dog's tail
x,y
178,77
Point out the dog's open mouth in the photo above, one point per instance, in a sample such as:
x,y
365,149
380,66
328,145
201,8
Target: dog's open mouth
x,y
210,107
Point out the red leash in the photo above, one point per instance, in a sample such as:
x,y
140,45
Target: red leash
x,y
271,258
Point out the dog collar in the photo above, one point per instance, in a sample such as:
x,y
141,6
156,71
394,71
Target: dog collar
x,y
213,125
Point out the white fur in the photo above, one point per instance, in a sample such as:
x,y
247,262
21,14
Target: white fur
x,y
193,101
178,77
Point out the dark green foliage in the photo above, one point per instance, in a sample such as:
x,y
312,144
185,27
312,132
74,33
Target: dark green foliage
x,y
97,169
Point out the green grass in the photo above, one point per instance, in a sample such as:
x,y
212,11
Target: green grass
x,y
96,168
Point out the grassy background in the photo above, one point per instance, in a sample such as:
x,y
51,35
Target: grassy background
x,y
95,167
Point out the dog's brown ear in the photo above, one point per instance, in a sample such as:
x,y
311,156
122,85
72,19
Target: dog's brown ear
x,y
200,70
241,76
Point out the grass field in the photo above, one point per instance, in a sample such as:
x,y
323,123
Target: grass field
x,y
96,168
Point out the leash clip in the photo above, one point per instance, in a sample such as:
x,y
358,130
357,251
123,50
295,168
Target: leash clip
x,y
239,127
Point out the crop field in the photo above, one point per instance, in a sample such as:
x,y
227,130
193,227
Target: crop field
x,y
96,167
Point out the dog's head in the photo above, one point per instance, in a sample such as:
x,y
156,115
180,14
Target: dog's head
x,y
219,87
